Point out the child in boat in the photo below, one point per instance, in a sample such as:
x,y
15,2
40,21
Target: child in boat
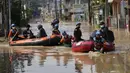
x,y
98,41
66,40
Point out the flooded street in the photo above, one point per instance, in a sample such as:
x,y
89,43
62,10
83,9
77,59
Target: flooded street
x,y
60,59
34,23
32,60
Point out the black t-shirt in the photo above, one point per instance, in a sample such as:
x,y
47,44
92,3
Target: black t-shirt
x,y
41,33
77,33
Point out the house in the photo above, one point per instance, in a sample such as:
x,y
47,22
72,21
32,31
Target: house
x,y
118,12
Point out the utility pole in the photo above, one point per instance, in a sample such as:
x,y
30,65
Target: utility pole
x,y
129,14
106,10
56,14
79,2
48,5
2,17
9,3
89,11
60,9
5,17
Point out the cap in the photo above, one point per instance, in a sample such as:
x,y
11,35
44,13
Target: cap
x,y
102,23
28,25
39,26
12,25
98,32
78,23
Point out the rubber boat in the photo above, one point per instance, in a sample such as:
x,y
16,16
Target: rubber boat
x,y
83,46
86,46
109,46
44,41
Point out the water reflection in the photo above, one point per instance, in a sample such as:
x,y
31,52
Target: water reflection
x,y
5,63
78,67
43,57
19,58
112,63
30,61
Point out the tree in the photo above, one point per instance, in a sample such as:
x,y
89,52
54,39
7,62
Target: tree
x,y
16,11
95,6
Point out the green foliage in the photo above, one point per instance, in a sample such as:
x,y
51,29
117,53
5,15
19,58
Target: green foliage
x,y
35,4
28,12
16,11
4,63
97,2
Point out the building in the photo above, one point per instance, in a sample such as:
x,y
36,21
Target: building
x,y
62,8
118,17
76,10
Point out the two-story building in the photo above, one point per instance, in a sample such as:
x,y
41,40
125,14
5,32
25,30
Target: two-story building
x,y
119,17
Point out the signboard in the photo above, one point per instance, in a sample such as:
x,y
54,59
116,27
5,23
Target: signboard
x,y
110,1
77,6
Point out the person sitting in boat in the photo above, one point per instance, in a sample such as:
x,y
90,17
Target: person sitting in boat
x,y
56,30
98,41
77,33
102,27
55,22
107,34
28,33
66,40
42,32
13,33
93,35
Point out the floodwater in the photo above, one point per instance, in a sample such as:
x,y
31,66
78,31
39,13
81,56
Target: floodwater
x,y
31,60
60,59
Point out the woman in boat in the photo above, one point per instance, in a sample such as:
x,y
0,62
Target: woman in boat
x,y
13,33
42,32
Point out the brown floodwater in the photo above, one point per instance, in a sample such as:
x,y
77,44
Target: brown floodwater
x,y
60,59
42,60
